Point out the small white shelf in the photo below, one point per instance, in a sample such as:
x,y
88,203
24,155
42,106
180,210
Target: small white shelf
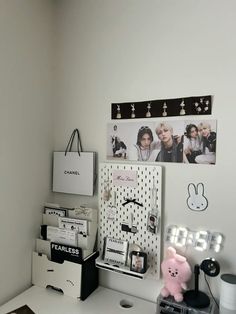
x,y
100,263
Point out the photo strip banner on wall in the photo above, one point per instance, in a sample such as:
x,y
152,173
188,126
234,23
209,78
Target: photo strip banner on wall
x,y
185,141
196,105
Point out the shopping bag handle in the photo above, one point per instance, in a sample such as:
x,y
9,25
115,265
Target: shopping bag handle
x,y
71,140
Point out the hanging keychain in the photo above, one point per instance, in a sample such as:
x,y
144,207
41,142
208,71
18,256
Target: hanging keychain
x,y
107,191
153,219
111,209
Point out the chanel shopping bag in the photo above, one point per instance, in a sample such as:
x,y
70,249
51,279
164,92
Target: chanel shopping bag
x,y
74,172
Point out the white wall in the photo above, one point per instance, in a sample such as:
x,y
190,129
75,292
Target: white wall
x,y
25,133
130,50
108,51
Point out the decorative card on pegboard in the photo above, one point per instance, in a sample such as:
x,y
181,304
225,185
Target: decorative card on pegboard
x,y
130,210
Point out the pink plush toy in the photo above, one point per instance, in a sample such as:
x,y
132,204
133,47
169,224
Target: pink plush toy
x,y
176,272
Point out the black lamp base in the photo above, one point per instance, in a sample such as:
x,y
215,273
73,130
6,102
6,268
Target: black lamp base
x,y
196,299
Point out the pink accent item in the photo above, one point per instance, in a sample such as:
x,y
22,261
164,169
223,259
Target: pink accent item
x,y
176,272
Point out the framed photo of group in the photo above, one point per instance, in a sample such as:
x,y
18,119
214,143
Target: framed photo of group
x,y
180,141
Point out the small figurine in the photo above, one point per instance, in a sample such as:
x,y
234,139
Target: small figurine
x,y
202,106
176,272
148,113
206,106
182,111
133,111
118,114
164,113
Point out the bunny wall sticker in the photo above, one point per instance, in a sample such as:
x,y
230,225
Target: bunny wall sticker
x,y
196,199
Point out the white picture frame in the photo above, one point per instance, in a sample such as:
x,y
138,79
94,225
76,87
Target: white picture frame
x,y
115,251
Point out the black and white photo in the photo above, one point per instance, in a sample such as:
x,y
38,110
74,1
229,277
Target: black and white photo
x,y
115,251
179,141
152,222
200,141
138,262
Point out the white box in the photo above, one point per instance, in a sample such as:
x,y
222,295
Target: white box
x,y
66,276
75,280
43,247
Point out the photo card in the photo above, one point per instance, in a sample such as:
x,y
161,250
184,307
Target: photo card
x,y
138,262
152,222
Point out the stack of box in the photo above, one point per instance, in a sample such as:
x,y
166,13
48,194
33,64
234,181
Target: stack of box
x,y
65,255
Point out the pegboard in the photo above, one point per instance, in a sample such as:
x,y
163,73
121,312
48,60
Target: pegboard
x,y
148,178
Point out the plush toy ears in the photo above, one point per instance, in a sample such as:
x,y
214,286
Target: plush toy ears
x,y
180,258
171,253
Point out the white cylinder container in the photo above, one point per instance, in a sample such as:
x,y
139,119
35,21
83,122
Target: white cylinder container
x,y
228,294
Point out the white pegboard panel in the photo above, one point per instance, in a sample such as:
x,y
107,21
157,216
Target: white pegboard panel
x,y
147,177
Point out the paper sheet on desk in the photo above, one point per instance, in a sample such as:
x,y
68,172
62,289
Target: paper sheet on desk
x,y
22,310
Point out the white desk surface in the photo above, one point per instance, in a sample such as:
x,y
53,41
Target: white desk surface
x,y
101,301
